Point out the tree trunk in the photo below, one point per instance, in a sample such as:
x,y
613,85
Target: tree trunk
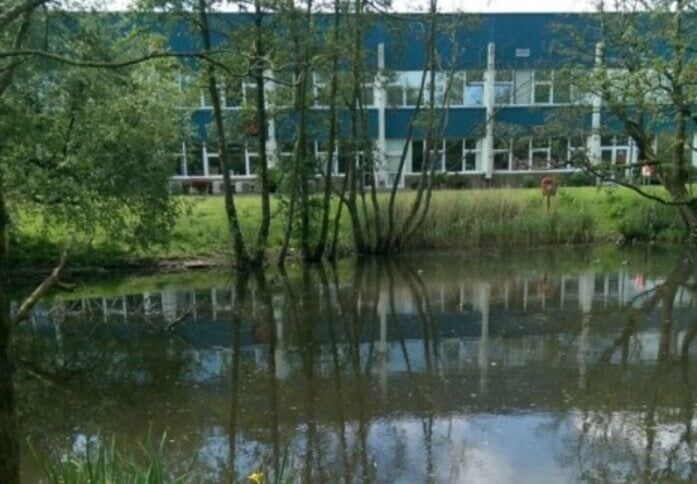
x,y
352,170
331,145
263,234
299,175
9,439
240,252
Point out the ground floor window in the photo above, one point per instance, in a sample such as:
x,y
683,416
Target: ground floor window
x,y
615,150
179,160
194,159
502,154
452,156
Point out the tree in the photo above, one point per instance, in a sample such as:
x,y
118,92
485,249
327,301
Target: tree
x,y
643,82
87,150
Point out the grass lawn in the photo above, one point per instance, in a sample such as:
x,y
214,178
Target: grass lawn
x,y
457,219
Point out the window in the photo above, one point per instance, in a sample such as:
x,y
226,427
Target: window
x,y
322,156
250,93
179,160
542,87
616,149
194,159
503,87
395,95
453,155
236,159
456,90
562,90
214,165
286,151
521,153
320,90
474,88
540,153
412,83
368,95
417,155
502,151
472,153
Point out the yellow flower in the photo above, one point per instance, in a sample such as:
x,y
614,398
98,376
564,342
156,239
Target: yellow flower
x,y
256,477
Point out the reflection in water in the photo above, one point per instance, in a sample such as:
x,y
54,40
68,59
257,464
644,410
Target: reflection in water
x,y
428,369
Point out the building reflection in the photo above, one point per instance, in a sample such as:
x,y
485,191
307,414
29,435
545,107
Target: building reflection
x,y
389,372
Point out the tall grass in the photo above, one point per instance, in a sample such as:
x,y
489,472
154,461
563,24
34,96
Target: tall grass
x,y
458,219
103,463
499,218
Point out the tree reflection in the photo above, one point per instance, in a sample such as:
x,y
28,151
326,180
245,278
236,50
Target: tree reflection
x,y
665,452
9,439
383,371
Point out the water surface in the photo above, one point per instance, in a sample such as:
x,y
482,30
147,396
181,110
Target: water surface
x,y
558,365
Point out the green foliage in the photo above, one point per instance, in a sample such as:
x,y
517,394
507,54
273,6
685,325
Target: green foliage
x,y
580,179
275,179
103,463
456,181
91,149
650,221
529,181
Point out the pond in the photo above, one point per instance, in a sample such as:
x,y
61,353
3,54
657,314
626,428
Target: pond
x,y
554,365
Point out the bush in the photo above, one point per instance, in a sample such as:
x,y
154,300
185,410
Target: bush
x,y
275,177
529,181
580,179
456,181
646,221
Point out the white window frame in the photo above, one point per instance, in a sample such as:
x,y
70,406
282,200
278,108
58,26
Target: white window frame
x,y
546,150
468,83
511,88
546,82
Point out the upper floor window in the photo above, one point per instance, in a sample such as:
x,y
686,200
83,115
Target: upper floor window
x,y
542,87
474,88
503,87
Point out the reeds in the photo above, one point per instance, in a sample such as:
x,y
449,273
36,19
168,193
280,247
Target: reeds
x,y
103,463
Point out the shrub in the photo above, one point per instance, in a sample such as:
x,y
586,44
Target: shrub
x,y
275,177
647,221
456,181
529,181
580,179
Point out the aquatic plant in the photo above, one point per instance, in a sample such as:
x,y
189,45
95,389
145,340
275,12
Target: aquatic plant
x,y
104,463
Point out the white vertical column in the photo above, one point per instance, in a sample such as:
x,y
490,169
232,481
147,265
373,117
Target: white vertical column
x,y
169,305
280,356
380,169
488,142
271,145
382,346
586,291
694,150
205,160
483,301
597,104
184,168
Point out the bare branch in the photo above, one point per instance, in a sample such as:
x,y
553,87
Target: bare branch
x,y
52,280
89,63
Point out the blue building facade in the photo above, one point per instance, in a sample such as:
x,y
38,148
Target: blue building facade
x,y
502,72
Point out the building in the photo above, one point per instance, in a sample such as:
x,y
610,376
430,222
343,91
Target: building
x,y
503,69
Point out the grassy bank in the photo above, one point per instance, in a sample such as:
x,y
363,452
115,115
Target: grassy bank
x,y
457,220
